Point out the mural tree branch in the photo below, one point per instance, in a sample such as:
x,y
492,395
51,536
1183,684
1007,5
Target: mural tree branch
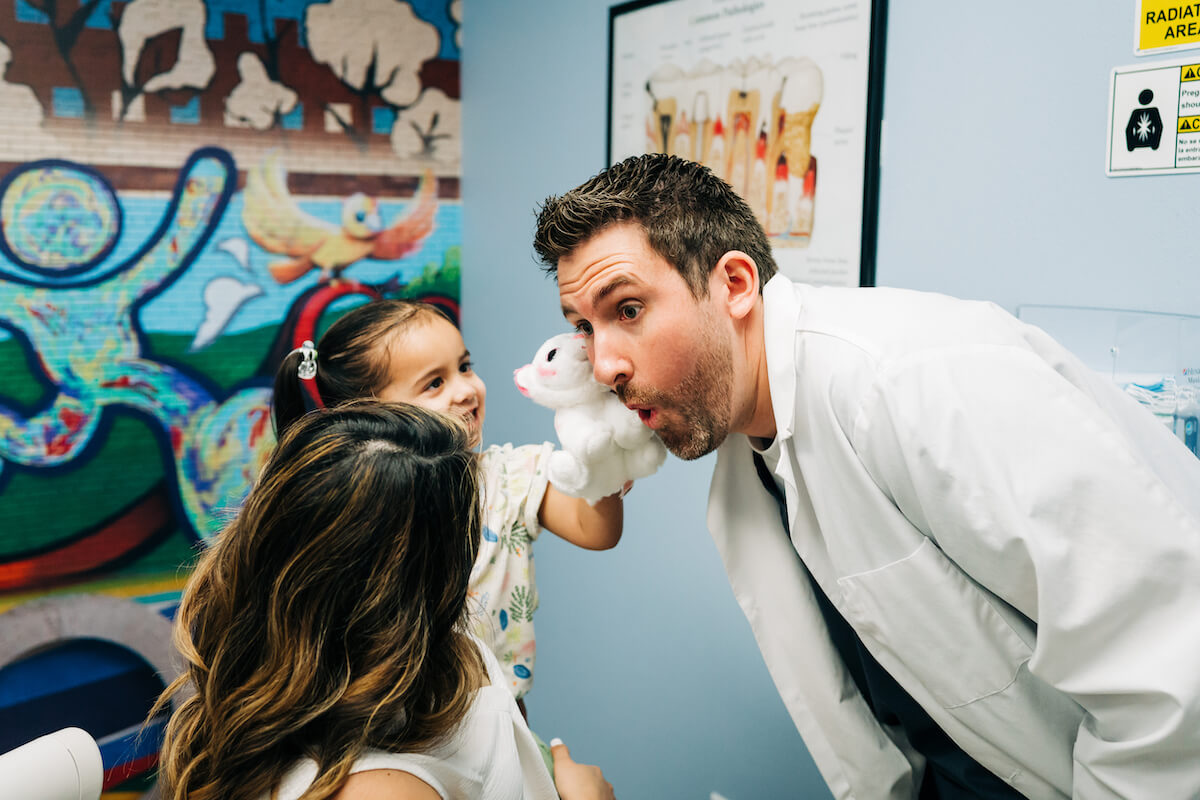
x,y
261,99
429,129
65,37
370,88
430,136
381,61
272,39
152,59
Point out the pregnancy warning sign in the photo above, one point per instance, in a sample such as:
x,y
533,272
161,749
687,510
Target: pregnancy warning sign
x,y
1154,119
1166,25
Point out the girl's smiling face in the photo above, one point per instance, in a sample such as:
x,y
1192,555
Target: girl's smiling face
x,y
431,368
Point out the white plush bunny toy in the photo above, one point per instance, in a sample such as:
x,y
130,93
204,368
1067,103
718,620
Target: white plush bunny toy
x,y
604,444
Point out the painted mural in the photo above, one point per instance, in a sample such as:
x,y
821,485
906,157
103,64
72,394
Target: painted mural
x,y
188,189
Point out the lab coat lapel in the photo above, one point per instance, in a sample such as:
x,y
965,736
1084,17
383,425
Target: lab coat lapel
x,y
781,309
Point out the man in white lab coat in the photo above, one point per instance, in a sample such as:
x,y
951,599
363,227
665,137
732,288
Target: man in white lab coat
x,y
972,565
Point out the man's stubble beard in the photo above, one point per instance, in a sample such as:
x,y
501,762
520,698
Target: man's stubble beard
x,y
701,405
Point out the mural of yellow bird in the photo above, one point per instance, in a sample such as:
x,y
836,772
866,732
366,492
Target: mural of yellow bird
x,y
277,224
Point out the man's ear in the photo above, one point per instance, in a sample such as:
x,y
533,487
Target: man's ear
x,y
736,279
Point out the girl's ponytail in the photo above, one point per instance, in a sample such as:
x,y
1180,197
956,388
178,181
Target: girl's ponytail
x,y
290,400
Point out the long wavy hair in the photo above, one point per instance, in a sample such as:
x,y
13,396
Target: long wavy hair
x,y
328,618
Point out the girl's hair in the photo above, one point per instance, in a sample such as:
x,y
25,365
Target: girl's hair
x,y
328,618
351,360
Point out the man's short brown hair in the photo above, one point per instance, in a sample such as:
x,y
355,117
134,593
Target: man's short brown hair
x,y
691,217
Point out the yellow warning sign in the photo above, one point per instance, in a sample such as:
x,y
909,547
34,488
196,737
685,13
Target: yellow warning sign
x,y
1189,125
1164,24
1190,72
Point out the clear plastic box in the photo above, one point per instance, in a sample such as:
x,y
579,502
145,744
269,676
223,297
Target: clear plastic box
x,y
1153,356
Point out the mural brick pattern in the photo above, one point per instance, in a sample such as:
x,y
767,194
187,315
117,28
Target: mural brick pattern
x,y
188,188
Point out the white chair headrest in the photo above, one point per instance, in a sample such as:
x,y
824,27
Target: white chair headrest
x,y
64,765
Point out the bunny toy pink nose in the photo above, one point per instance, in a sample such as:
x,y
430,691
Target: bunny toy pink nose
x,y
517,381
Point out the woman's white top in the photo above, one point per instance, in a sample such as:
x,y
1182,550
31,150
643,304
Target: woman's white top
x,y
492,754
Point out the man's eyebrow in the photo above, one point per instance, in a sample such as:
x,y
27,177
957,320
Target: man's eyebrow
x,y
610,287
603,292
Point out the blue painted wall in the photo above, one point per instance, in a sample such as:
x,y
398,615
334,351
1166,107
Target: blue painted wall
x,y
993,187
993,182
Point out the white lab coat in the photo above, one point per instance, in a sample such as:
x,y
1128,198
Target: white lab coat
x,y
1012,537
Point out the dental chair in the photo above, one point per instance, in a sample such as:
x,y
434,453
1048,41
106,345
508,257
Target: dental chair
x,y
64,765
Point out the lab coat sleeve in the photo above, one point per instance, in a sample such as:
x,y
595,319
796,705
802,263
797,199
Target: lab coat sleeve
x,y
1035,492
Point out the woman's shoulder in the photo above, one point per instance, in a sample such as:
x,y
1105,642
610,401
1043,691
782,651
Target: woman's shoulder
x,y
386,784
376,775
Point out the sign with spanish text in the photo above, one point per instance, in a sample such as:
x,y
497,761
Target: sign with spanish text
x,y
1164,26
1154,119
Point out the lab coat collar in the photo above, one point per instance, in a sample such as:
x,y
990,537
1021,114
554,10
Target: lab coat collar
x,y
781,309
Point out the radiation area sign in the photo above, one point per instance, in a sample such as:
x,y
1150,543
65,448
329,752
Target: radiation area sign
x,y
1166,25
1154,119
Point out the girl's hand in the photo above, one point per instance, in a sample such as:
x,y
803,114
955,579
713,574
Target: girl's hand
x,y
578,781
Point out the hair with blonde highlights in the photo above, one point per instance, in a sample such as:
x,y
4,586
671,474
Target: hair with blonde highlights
x,y
328,618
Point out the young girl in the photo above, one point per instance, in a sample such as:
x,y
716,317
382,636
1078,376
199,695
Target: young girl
x,y
323,632
407,351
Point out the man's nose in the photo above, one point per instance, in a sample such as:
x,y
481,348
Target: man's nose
x,y
610,364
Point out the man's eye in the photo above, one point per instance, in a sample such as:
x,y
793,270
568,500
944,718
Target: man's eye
x,y
584,327
436,383
466,366
629,311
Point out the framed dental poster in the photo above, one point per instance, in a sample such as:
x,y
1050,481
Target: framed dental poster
x,y
781,98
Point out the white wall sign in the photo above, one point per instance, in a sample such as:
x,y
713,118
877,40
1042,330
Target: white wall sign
x,y
1154,119
762,92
